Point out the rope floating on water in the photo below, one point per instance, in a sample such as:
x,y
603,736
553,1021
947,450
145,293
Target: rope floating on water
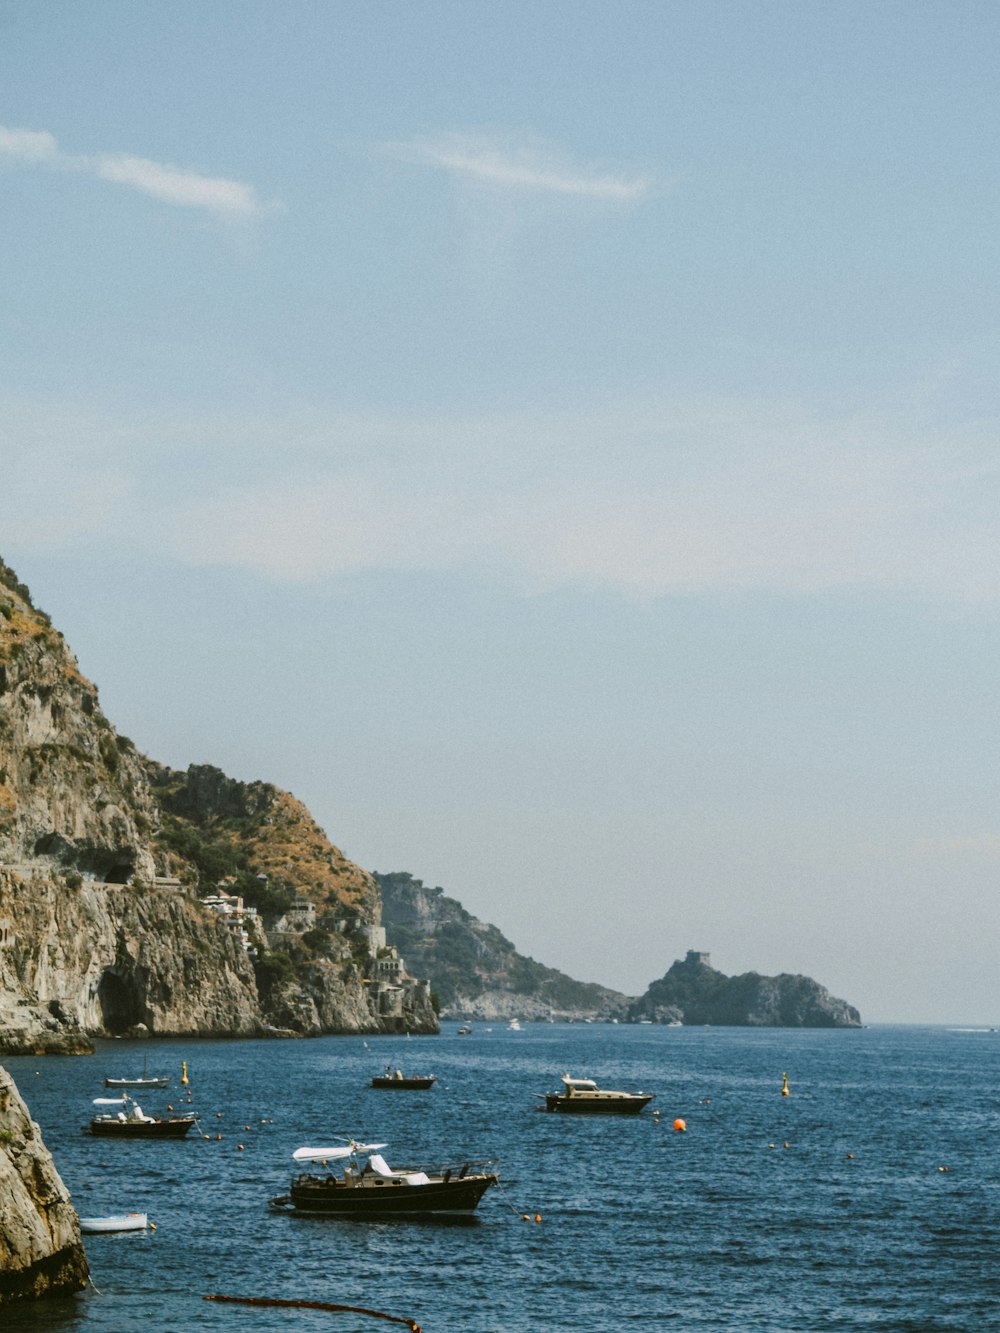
x,y
271,1302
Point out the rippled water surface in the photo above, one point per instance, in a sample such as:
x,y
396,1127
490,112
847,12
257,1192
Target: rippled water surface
x,y
869,1199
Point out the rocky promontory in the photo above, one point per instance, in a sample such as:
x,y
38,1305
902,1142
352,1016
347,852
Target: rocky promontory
x,y
40,1249
135,899
692,992
477,972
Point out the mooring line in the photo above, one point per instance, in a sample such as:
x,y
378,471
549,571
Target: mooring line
x,y
525,1217
273,1301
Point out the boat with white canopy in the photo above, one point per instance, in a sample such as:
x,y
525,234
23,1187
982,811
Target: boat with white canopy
x,y
582,1096
368,1187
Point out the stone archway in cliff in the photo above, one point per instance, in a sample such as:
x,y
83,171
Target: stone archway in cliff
x,y
121,1005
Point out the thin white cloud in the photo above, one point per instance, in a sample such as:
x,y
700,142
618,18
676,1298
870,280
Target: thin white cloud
x,y
174,186
169,184
29,145
525,167
645,500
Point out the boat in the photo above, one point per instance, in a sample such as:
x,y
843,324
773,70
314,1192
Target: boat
x,y
398,1081
114,1222
146,1081
368,1188
131,1122
582,1096
514,1026
464,1030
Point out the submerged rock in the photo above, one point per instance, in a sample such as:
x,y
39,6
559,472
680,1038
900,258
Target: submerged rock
x,y
40,1249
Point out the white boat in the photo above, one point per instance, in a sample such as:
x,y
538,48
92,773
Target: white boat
x,y
146,1080
582,1096
514,1026
114,1222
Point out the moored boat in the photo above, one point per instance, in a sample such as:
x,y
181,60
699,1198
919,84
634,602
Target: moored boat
x,y
582,1096
368,1188
395,1079
131,1122
145,1080
114,1222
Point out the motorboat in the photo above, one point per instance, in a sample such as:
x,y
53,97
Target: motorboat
x,y
368,1188
146,1080
396,1080
114,1222
131,1122
464,1030
582,1096
514,1026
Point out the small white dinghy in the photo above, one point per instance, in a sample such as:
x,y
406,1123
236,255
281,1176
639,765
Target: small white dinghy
x,y
115,1222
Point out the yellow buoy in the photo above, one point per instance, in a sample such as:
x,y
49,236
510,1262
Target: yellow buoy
x,y
784,1086
184,1071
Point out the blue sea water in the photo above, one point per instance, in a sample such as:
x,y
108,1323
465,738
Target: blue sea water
x,y
868,1199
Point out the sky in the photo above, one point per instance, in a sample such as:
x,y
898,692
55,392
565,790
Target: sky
x,y
556,440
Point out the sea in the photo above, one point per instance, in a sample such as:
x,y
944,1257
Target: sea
x,y
866,1199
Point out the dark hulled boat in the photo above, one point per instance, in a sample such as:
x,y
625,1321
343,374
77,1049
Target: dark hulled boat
x,y
131,1122
371,1189
582,1096
397,1080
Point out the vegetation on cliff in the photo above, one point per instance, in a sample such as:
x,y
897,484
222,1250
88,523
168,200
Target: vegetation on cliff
x,y
692,992
476,970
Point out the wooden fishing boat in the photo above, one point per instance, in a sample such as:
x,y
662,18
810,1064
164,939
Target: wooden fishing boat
x,y
582,1096
396,1080
368,1188
114,1222
131,1122
146,1080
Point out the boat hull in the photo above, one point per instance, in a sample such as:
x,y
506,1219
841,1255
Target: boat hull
x,y
141,1129
402,1084
136,1082
629,1105
388,1198
91,1226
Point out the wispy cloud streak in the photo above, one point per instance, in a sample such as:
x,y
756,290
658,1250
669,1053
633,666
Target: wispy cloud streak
x,y
169,184
526,167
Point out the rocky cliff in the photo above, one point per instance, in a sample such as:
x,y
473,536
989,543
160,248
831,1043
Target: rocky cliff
x,y
105,855
40,1249
692,992
476,971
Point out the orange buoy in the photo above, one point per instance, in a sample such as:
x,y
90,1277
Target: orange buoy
x,y
680,1126
538,1217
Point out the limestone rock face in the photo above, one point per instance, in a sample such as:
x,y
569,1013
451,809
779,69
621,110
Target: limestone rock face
x,y
695,993
40,1249
105,959
475,970
72,792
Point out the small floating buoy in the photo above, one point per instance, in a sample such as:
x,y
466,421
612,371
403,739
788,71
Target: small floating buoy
x,y
247,1128
239,1147
784,1086
850,1157
538,1217
218,1137
679,1125
785,1144
944,1168
184,1071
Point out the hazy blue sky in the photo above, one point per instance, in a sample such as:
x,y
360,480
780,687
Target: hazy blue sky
x,y
557,441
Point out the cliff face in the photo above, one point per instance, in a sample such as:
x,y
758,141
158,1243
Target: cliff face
x,y
40,1249
91,940
104,959
476,971
72,792
694,993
